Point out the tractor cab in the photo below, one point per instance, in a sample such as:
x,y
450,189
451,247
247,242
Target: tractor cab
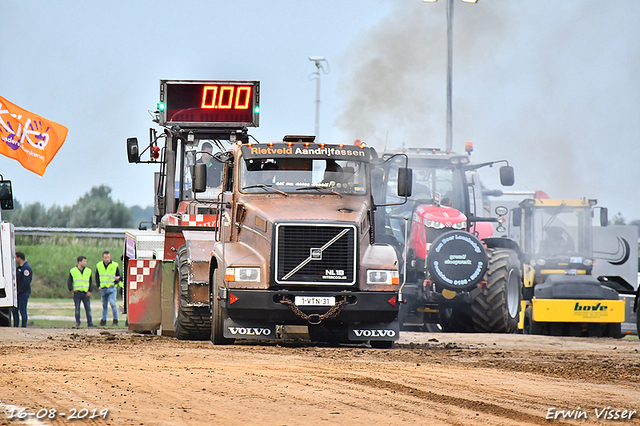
x,y
438,202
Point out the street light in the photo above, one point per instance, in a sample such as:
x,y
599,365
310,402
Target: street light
x,y
449,65
318,60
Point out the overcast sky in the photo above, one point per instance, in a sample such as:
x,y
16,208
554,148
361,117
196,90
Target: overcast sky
x,y
551,86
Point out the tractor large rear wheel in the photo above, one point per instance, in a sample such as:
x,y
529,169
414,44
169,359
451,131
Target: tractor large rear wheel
x,y
189,322
496,308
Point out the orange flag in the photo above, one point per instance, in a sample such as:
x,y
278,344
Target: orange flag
x,y
29,138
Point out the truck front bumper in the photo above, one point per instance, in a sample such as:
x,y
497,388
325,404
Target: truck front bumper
x,y
265,306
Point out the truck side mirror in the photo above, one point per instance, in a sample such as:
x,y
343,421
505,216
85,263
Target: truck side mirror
x,y
200,177
604,216
6,195
133,152
405,181
507,176
516,217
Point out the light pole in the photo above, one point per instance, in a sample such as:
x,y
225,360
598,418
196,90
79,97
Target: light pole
x,y
449,67
318,60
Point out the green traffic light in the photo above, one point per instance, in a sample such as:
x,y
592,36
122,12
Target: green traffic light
x,y
161,106
257,109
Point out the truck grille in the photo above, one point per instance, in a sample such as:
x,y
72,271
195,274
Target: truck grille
x,y
323,254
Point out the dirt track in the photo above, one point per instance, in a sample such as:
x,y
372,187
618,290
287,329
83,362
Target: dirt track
x,y
428,378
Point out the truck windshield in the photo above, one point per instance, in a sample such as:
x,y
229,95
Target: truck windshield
x,y
294,175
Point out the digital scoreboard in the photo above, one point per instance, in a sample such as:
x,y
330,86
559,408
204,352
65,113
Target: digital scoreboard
x,y
209,103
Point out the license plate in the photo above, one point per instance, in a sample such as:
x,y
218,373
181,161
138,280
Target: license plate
x,y
315,301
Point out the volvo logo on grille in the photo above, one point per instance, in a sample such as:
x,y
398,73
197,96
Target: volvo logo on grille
x,y
316,254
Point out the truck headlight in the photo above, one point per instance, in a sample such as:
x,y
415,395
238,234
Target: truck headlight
x,y
459,225
377,276
242,274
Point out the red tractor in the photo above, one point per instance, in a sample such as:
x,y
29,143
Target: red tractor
x,y
454,272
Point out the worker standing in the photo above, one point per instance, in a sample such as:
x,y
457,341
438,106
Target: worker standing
x,y
107,280
81,282
24,274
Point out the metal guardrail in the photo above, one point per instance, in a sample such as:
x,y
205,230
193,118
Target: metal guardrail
x,y
75,232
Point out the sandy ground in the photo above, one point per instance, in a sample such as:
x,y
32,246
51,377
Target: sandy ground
x,y
425,379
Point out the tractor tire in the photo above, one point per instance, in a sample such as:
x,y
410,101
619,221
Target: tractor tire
x,y
217,314
5,317
496,308
455,320
189,322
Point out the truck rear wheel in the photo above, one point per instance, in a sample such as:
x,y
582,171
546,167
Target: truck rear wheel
x,y
496,308
217,314
189,322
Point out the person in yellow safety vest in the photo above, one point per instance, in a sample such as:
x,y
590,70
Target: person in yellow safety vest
x,y
81,283
107,280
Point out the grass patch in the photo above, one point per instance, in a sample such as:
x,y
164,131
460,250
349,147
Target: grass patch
x,y
60,313
51,258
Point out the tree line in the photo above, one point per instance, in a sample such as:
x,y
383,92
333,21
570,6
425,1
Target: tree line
x,y
95,209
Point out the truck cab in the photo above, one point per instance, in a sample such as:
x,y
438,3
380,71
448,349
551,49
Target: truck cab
x,y
295,247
